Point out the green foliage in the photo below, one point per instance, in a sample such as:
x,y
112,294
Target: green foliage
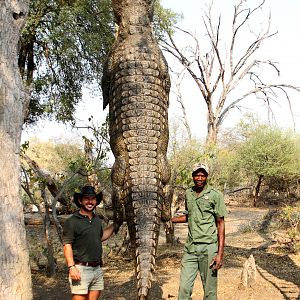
x,y
55,157
243,154
24,147
66,164
182,159
164,21
225,174
60,161
290,216
63,47
100,139
184,153
269,152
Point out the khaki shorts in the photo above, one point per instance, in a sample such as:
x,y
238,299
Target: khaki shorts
x,y
91,280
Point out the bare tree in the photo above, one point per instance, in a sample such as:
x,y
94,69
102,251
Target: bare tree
x,y
178,78
226,75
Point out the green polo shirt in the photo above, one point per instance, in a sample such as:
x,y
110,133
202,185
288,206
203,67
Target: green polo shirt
x,y
202,212
85,236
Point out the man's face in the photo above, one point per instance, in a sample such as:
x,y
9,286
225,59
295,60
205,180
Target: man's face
x,y
88,203
199,178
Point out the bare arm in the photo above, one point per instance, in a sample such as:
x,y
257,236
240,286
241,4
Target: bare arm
x,y
107,232
68,252
218,259
180,219
73,271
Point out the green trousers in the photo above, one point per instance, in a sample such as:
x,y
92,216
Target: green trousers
x,y
195,262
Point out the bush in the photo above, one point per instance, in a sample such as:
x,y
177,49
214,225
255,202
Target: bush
x,y
290,217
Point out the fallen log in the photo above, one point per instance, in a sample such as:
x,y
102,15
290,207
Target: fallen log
x,y
37,219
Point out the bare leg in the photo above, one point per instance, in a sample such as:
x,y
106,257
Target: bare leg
x,y
94,295
79,297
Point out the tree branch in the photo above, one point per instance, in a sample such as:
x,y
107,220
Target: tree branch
x,y
51,185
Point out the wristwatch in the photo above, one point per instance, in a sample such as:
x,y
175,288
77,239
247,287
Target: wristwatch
x,y
70,267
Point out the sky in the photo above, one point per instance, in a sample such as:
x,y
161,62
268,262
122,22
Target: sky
x,y
283,48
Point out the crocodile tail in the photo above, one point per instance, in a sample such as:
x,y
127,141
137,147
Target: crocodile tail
x,y
143,219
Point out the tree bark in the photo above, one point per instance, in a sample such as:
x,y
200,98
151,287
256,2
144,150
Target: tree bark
x,y
168,226
212,133
15,281
51,268
257,189
170,234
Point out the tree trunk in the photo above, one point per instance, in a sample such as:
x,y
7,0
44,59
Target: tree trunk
x,y
212,127
51,268
169,228
257,189
212,135
170,234
14,258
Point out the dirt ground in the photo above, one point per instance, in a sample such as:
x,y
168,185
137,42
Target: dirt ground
x,y
278,274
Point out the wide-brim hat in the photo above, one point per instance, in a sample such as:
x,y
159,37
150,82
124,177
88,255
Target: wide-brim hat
x,y
200,166
87,190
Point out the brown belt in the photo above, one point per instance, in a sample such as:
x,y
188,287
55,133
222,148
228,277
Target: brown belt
x,y
88,263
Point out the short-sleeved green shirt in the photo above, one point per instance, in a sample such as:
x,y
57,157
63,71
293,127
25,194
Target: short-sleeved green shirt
x,y
202,211
85,236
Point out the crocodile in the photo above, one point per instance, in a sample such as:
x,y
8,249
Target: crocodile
x,y
136,86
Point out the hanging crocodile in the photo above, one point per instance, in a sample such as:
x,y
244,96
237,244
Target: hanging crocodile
x,y
136,86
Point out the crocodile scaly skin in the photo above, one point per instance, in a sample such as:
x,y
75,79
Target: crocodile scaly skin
x,y
136,86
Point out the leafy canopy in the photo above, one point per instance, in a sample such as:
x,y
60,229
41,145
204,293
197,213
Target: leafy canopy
x,y
269,152
63,47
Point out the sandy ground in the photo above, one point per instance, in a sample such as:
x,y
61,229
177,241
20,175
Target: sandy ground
x,y
278,275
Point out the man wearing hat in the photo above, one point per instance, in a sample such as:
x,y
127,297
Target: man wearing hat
x,y
204,247
82,239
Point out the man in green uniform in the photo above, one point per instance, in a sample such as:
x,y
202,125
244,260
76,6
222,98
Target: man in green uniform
x,y
204,247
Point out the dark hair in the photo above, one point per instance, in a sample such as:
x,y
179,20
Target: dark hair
x,y
200,169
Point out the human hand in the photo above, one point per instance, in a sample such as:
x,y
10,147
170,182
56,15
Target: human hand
x,y
74,273
216,263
